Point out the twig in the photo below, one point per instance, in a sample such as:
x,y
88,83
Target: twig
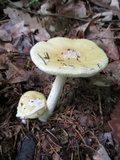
x,y
104,38
100,106
5,89
51,134
50,14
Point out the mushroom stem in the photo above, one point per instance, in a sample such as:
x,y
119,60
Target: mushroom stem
x,y
55,92
53,97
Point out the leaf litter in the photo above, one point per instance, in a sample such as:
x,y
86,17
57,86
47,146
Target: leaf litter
x,y
85,124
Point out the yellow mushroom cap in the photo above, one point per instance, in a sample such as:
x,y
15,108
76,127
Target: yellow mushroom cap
x,y
69,57
31,105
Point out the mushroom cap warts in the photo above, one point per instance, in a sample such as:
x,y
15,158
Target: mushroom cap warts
x,y
69,57
31,105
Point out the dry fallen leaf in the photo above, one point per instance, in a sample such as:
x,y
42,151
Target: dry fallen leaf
x,y
8,47
101,154
16,75
42,35
101,3
1,79
104,16
105,39
56,156
5,36
23,44
113,69
19,29
115,122
115,4
17,16
109,43
21,19
73,9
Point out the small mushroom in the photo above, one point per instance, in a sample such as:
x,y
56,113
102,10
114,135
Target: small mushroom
x,y
32,104
65,57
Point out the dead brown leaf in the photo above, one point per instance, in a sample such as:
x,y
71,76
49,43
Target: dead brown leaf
x,y
19,29
56,156
113,69
101,154
5,36
101,3
16,75
115,122
23,44
115,4
42,35
20,19
17,16
109,43
8,47
105,39
73,9
1,80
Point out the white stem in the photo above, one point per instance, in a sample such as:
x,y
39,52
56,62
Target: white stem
x,y
55,92
53,97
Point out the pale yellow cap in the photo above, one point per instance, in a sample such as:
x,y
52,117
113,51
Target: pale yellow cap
x,y
32,104
69,57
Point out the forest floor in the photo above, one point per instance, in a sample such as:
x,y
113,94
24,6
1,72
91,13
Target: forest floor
x,y
85,123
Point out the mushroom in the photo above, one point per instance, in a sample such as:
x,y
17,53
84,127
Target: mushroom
x,y
65,57
32,104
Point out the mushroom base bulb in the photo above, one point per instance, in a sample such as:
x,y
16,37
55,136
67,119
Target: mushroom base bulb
x,y
32,104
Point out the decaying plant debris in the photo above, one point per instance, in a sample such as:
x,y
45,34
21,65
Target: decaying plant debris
x,y
85,124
